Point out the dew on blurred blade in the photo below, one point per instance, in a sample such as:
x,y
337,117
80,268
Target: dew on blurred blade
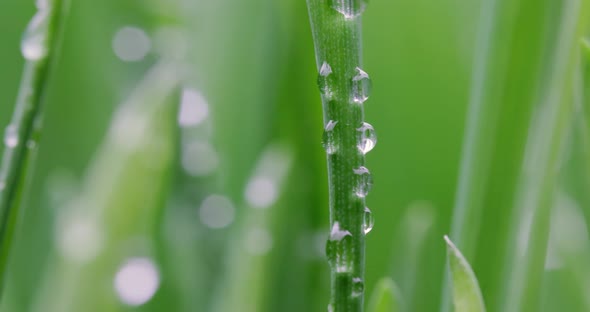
x,y
34,44
217,212
136,281
357,286
261,192
131,44
11,136
199,158
79,238
193,108
258,241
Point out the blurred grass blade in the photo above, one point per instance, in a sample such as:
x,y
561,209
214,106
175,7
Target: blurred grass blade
x,y
119,203
530,225
250,252
386,297
466,293
39,47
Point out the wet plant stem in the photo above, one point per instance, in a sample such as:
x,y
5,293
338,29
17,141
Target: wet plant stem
x,y
40,42
336,27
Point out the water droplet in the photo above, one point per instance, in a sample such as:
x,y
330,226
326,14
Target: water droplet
x,y
329,139
367,138
131,44
364,181
34,45
137,281
357,286
262,192
361,86
368,220
217,212
349,8
193,108
333,246
331,307
11,136
79,238
325,80
2,185
337,233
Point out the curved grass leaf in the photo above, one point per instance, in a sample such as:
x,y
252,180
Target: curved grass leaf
x,y
386,297
466,293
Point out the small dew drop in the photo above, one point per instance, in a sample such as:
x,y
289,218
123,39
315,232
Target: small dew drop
x,y
194,108
329,140
364,181
368,220
330,307
2,185
11,136
258,241
357,286
137,281
217,212
349,8
367,138
337,233
325,80
131,44
34,45
262,192
199,158
361,86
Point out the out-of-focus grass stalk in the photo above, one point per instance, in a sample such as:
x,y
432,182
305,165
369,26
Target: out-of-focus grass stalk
x,y
386,297
336,28
119,201
39,46
249,253
530,227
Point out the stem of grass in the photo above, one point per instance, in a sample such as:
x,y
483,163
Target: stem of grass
x,y
336,27
39,47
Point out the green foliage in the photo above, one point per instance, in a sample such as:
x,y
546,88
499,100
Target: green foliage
x,y
466,293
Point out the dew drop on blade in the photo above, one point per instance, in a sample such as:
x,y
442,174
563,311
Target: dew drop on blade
x,y
361,86
349,8
329,140
367,138
368,220
11,136
357,286
34,42
364,181
325,81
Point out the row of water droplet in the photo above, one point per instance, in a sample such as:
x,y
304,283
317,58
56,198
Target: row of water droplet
x,y
366,140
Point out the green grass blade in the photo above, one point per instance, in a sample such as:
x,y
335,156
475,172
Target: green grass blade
x,y
336,28
39,47
386,297
466,293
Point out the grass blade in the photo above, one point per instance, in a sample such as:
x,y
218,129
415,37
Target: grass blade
x,y
386,297
336,28
39,47
466,293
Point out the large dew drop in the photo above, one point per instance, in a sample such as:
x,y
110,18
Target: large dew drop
x,y
349,8
329,140
11,136
361,86
334,247
368,220
364,181
34,44
357,286
325,81
367,138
